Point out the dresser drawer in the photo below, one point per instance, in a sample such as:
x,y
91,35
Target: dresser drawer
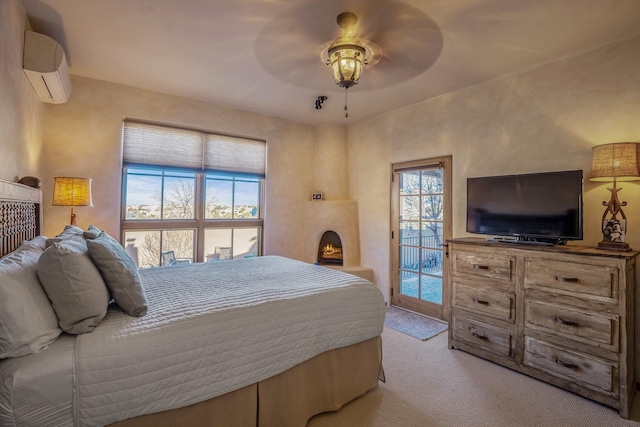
x,y
572,278
484,265
583,325
590,371
482,335
499,305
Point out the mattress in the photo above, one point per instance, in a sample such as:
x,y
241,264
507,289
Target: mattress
x,y
37,390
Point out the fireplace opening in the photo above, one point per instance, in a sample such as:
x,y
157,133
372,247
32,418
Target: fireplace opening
x,y
330,249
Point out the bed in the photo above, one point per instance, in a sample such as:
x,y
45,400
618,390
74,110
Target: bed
x,y
265,341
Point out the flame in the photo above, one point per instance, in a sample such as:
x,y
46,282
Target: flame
x,y
329,249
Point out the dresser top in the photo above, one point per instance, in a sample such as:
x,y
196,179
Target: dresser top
x,y
560,249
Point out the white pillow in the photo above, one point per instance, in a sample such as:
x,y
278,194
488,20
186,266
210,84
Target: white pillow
x,y
38,242
74,285
28,323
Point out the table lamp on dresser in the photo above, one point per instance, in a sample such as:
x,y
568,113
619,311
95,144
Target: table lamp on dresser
x,y
618,161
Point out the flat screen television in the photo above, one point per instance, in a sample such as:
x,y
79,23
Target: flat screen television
x,y
530,208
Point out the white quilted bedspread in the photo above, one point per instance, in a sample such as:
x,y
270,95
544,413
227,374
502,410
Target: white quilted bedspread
x,y
212,328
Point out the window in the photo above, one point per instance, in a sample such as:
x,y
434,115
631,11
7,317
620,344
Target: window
x,y
192,195
159,194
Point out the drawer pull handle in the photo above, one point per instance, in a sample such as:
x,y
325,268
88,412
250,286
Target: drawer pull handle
x,y
479,301
480,267
561,321
481,337
567,365
567,279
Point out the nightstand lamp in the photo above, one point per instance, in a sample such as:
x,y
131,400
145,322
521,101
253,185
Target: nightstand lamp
x,y
618,161
70,191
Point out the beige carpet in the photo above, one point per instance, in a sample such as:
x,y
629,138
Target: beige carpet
x,y
429,385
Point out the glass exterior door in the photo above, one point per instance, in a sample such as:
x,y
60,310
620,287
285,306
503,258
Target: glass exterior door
x,y
420,219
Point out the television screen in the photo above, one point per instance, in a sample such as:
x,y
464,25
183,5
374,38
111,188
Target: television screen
x,y
545,207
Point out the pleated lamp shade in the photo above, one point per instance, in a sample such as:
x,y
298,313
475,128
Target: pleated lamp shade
x,y
70,191
620,160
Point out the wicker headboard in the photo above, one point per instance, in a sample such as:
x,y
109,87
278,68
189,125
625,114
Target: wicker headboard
x,y
20,217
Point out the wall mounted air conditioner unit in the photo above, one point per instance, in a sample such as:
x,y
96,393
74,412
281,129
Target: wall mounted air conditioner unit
x,y
46,68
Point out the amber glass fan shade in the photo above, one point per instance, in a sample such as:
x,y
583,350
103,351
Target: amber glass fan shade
x,y
346,64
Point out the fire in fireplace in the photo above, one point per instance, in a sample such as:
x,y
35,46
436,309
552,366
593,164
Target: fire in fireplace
x,y
330,249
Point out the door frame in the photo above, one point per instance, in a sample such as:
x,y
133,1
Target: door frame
x,y
424,307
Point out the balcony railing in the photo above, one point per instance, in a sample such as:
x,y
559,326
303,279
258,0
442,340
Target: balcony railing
x,y
410,259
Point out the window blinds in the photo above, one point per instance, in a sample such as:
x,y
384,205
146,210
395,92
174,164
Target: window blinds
x,y
154,145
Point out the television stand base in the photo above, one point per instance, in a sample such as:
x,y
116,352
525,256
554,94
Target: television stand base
x,y
502,239
535,243
526,240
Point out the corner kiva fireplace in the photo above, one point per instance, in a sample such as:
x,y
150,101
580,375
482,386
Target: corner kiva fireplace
x,y
330,249
337,218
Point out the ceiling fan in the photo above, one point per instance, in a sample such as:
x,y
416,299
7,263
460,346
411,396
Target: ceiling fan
x,y
400,40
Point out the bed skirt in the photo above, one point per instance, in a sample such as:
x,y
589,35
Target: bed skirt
x,y
324,383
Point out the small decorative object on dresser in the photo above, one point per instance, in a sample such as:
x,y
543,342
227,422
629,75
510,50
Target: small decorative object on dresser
x,y
561,314
618,161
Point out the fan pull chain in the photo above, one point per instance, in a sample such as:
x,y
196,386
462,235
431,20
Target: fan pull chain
x,y
346,112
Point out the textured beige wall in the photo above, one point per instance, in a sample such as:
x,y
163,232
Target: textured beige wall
x,y
332,178
544,119
83,138
21,112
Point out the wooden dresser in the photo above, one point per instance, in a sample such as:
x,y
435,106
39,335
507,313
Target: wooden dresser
x,y
562,314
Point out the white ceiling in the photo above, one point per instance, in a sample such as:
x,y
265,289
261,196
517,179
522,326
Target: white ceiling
x,y
264,55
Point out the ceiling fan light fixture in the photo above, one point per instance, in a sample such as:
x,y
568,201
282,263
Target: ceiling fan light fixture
x,y
347,55
346,61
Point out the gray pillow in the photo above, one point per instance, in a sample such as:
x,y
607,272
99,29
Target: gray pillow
x,y
74,285
120,273
68,232
28,324
92,232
